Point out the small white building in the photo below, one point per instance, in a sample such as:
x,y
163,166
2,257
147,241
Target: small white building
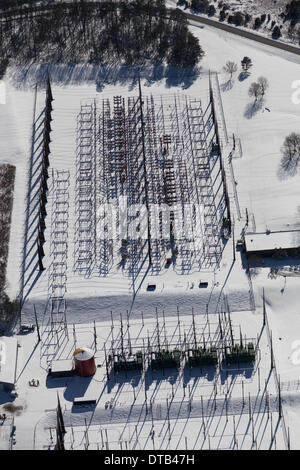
x,y
8,362
265,243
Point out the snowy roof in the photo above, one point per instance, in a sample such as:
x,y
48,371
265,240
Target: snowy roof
x,y
83,354
8,356
61,365
271,240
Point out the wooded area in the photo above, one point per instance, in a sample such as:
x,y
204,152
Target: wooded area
x,y
7,178
135,32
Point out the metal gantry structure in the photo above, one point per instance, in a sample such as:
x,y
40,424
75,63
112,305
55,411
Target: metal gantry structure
x,y
214,343
201,152
85,190
198,368
59,253
144,186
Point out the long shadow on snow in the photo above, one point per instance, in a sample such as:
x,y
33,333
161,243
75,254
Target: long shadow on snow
x,y
75,386
75,74
121,378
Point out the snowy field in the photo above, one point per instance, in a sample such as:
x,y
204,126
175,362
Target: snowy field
x,y
271,197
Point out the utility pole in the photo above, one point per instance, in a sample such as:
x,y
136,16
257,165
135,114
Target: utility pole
x,y
233,242
264,308
37,325
145,170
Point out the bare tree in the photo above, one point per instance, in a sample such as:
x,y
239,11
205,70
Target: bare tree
x,y
294,34
230,68
298,35
7,178
255,91
290,155
291,151
264,85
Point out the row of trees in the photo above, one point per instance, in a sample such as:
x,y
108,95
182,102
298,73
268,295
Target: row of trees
x,y
7,178
4,4
132,32
257,89
294,33
292,11
244,19
237,18
231,67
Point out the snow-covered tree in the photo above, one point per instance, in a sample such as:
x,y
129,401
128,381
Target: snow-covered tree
x,y
223,14
276,32
293,10
211,10
257,23
237,18
200,5
294,34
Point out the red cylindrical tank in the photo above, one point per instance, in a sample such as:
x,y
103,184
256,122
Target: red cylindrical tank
x,y
84,362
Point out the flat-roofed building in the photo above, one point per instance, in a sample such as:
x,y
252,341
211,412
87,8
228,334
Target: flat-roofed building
x,y
8,361
266,243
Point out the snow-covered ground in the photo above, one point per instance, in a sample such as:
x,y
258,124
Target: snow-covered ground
x,y
282,305
262,133
218,407
257,172
271,197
